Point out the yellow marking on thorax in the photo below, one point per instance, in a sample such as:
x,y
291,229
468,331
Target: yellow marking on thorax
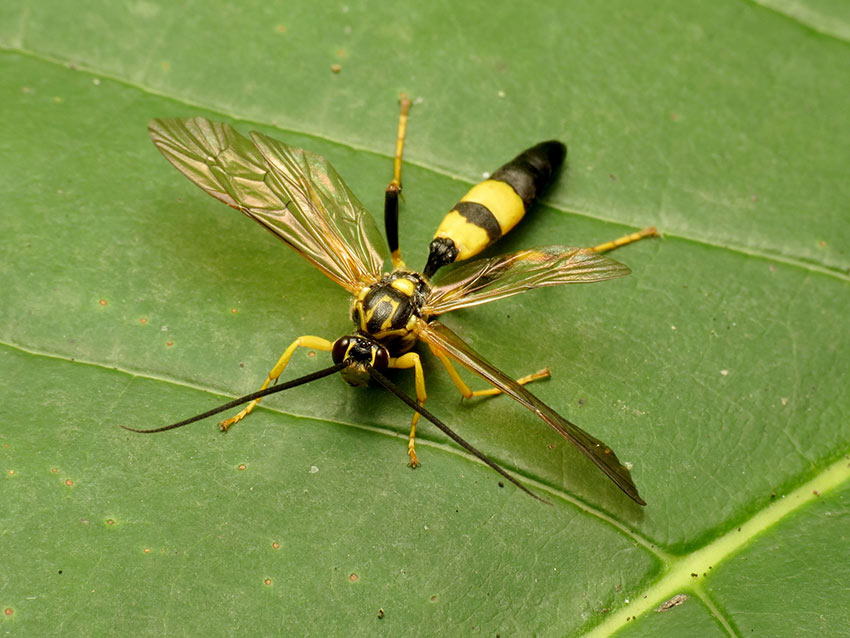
x,y
388,322
500,199
404,286
468,238
359,305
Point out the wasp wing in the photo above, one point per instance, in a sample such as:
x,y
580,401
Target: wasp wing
x,y
486,280
445,342
295,194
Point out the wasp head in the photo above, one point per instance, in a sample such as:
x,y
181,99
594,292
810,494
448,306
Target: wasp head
x,y
359,352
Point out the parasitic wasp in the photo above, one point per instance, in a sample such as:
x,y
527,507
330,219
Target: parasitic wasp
x,y
300,198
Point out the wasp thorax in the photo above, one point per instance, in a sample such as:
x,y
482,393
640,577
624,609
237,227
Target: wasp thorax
x,y
387,310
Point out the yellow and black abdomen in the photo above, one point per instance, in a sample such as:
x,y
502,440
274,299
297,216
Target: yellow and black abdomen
x,y
495,206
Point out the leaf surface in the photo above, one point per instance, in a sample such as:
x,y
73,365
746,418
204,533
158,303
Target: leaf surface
x,y
717,369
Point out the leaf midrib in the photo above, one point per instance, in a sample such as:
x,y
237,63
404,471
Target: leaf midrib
x,y
810,26
678,576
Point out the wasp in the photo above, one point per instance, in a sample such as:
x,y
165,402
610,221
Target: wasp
x,y
299,197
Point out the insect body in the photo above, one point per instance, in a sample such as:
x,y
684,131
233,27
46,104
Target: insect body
x,y
300,198
388,310
494,206
385,316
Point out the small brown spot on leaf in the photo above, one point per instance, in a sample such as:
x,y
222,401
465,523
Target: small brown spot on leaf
x,y
675,601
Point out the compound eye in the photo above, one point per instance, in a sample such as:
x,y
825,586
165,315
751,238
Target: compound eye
x,y
382,357
340,349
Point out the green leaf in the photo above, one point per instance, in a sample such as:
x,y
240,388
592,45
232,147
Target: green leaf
x,y
718,368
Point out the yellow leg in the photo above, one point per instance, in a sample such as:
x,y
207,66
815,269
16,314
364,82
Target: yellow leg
x,y
468,393
625,239
411,360
394,188
540,374
404,102
307,341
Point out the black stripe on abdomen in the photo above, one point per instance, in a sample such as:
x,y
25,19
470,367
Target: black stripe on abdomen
x,y
531,171
481,217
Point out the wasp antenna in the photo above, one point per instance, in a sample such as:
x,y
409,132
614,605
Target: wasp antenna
x,y
392,387
307,378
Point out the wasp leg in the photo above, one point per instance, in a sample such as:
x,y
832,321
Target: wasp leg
x,y
625,239
394,188
411,360
307,341
540,374
465,390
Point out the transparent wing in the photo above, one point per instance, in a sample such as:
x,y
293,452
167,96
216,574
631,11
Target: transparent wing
x,y
486,280
295,194
444,341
